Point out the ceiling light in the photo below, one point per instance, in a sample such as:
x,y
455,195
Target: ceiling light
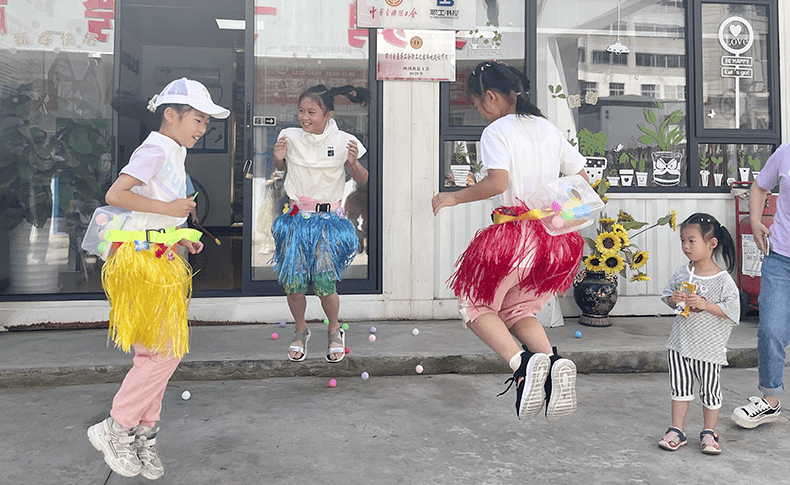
x,y
230,24
618,47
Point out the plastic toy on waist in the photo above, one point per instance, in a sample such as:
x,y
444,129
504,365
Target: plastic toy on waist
x,y
564,205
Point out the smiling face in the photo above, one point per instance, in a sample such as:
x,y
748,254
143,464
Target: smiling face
x,y
312,116
185,128
694,245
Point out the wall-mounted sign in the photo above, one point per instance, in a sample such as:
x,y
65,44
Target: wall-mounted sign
x,y
416,14
736,36
418,55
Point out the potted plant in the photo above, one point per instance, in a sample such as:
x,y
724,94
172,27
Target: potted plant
x,y
593,147
731,178
627,172
48,163
611,253
756,164
666,163
462,166
612,177
704,173
718,174
743,169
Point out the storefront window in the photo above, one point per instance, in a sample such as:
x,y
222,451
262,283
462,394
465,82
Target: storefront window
x,y
634,130
721,164
735,66
55,141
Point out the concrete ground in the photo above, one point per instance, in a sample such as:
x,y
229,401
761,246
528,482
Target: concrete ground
x,y
255,418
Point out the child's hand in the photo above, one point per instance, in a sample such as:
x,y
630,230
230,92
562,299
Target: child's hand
x,y
280,149
678,297
443,199
353,151
194,247
180,207
696,302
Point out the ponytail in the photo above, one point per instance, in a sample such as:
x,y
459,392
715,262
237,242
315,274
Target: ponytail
x,y
325,97
710,227
504,79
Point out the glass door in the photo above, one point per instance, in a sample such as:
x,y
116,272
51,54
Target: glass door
x,y
293,49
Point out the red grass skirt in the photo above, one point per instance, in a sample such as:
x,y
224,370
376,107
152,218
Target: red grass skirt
x,y
545,263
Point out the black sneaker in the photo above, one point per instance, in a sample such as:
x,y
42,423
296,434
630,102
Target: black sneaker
x,y
529,379
560,389
757,412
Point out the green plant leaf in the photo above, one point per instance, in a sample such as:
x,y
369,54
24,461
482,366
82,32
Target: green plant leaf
x,y
650,116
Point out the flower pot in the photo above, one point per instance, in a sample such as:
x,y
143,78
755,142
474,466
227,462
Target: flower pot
x,y
460,174
730,180
755,174
595,167
596,294
717,178
613,181
641,179
666,168
743,173
626,177
704,177
31,270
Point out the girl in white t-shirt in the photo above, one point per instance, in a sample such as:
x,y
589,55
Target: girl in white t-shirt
x,y
511,268
314,241
147,283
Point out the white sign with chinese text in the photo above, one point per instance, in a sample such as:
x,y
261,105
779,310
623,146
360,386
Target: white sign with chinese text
x,y
416,14
418,55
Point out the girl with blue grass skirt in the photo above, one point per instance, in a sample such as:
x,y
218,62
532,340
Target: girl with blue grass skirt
x,y
314,241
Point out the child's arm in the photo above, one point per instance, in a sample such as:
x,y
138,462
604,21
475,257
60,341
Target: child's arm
x,y
357,171
280,150
493,184
695,301
120,195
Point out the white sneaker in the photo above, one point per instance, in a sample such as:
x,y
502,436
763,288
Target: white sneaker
x,y
119,449
146,451
757,412
562,396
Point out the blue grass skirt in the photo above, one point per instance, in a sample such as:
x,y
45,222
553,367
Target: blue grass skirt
x,y
311,243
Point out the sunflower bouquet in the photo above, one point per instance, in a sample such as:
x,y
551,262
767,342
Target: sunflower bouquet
x,y
612,251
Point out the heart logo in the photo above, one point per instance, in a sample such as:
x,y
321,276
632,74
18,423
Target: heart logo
x,y
735,30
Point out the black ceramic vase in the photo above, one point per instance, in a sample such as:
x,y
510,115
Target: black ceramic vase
x,y
595,294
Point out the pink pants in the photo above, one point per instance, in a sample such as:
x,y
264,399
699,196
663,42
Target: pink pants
x,y
139,400
510,303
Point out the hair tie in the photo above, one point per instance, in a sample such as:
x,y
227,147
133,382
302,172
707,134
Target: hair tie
x,y
152,104
518,93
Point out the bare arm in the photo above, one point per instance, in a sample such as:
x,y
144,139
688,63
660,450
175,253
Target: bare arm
x,y
120,195
584,175
493,184
757,196
357,171
280,150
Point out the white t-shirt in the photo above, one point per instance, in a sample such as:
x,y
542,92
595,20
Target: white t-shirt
x,y
532,150
316,163
159,164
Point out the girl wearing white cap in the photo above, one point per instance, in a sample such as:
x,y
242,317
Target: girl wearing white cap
x,y
147,283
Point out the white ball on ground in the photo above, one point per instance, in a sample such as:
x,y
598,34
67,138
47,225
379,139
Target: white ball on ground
x,y
419,369
186,395
416,331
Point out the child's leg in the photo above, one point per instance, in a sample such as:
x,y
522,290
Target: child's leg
x,y
139,400
679,411
681,381
297,303
493,332
530,332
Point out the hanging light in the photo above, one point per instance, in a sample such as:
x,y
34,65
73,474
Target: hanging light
x,y
618,47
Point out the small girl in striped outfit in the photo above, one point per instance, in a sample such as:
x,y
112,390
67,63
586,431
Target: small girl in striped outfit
x,y
696,349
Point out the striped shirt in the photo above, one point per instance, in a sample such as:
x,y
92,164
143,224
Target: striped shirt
x,y
703,335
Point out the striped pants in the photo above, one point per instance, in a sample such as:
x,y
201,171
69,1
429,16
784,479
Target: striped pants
x,y
683,371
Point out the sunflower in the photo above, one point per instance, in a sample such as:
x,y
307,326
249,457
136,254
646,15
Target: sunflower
x,y
623,216
673,220
608,243
640,259
594,262
613,263
624,241
606,221
640,277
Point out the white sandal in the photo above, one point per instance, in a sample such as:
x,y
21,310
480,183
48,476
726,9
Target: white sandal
x,y
337,350
303,337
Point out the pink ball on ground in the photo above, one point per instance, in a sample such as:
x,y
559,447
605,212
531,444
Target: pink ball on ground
x,y
347,350
332,383
419,369
274,336
372,338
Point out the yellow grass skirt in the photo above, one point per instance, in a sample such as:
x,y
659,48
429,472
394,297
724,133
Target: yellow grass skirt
x,y
149,292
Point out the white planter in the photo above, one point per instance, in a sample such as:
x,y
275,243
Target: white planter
x,y
717,178
730,180
613,181
755,174
595,167
460,174
704,177
641,179
743,173
666,168
626,177
34,264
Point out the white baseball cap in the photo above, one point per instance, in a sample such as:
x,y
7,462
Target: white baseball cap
x,y
189,92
